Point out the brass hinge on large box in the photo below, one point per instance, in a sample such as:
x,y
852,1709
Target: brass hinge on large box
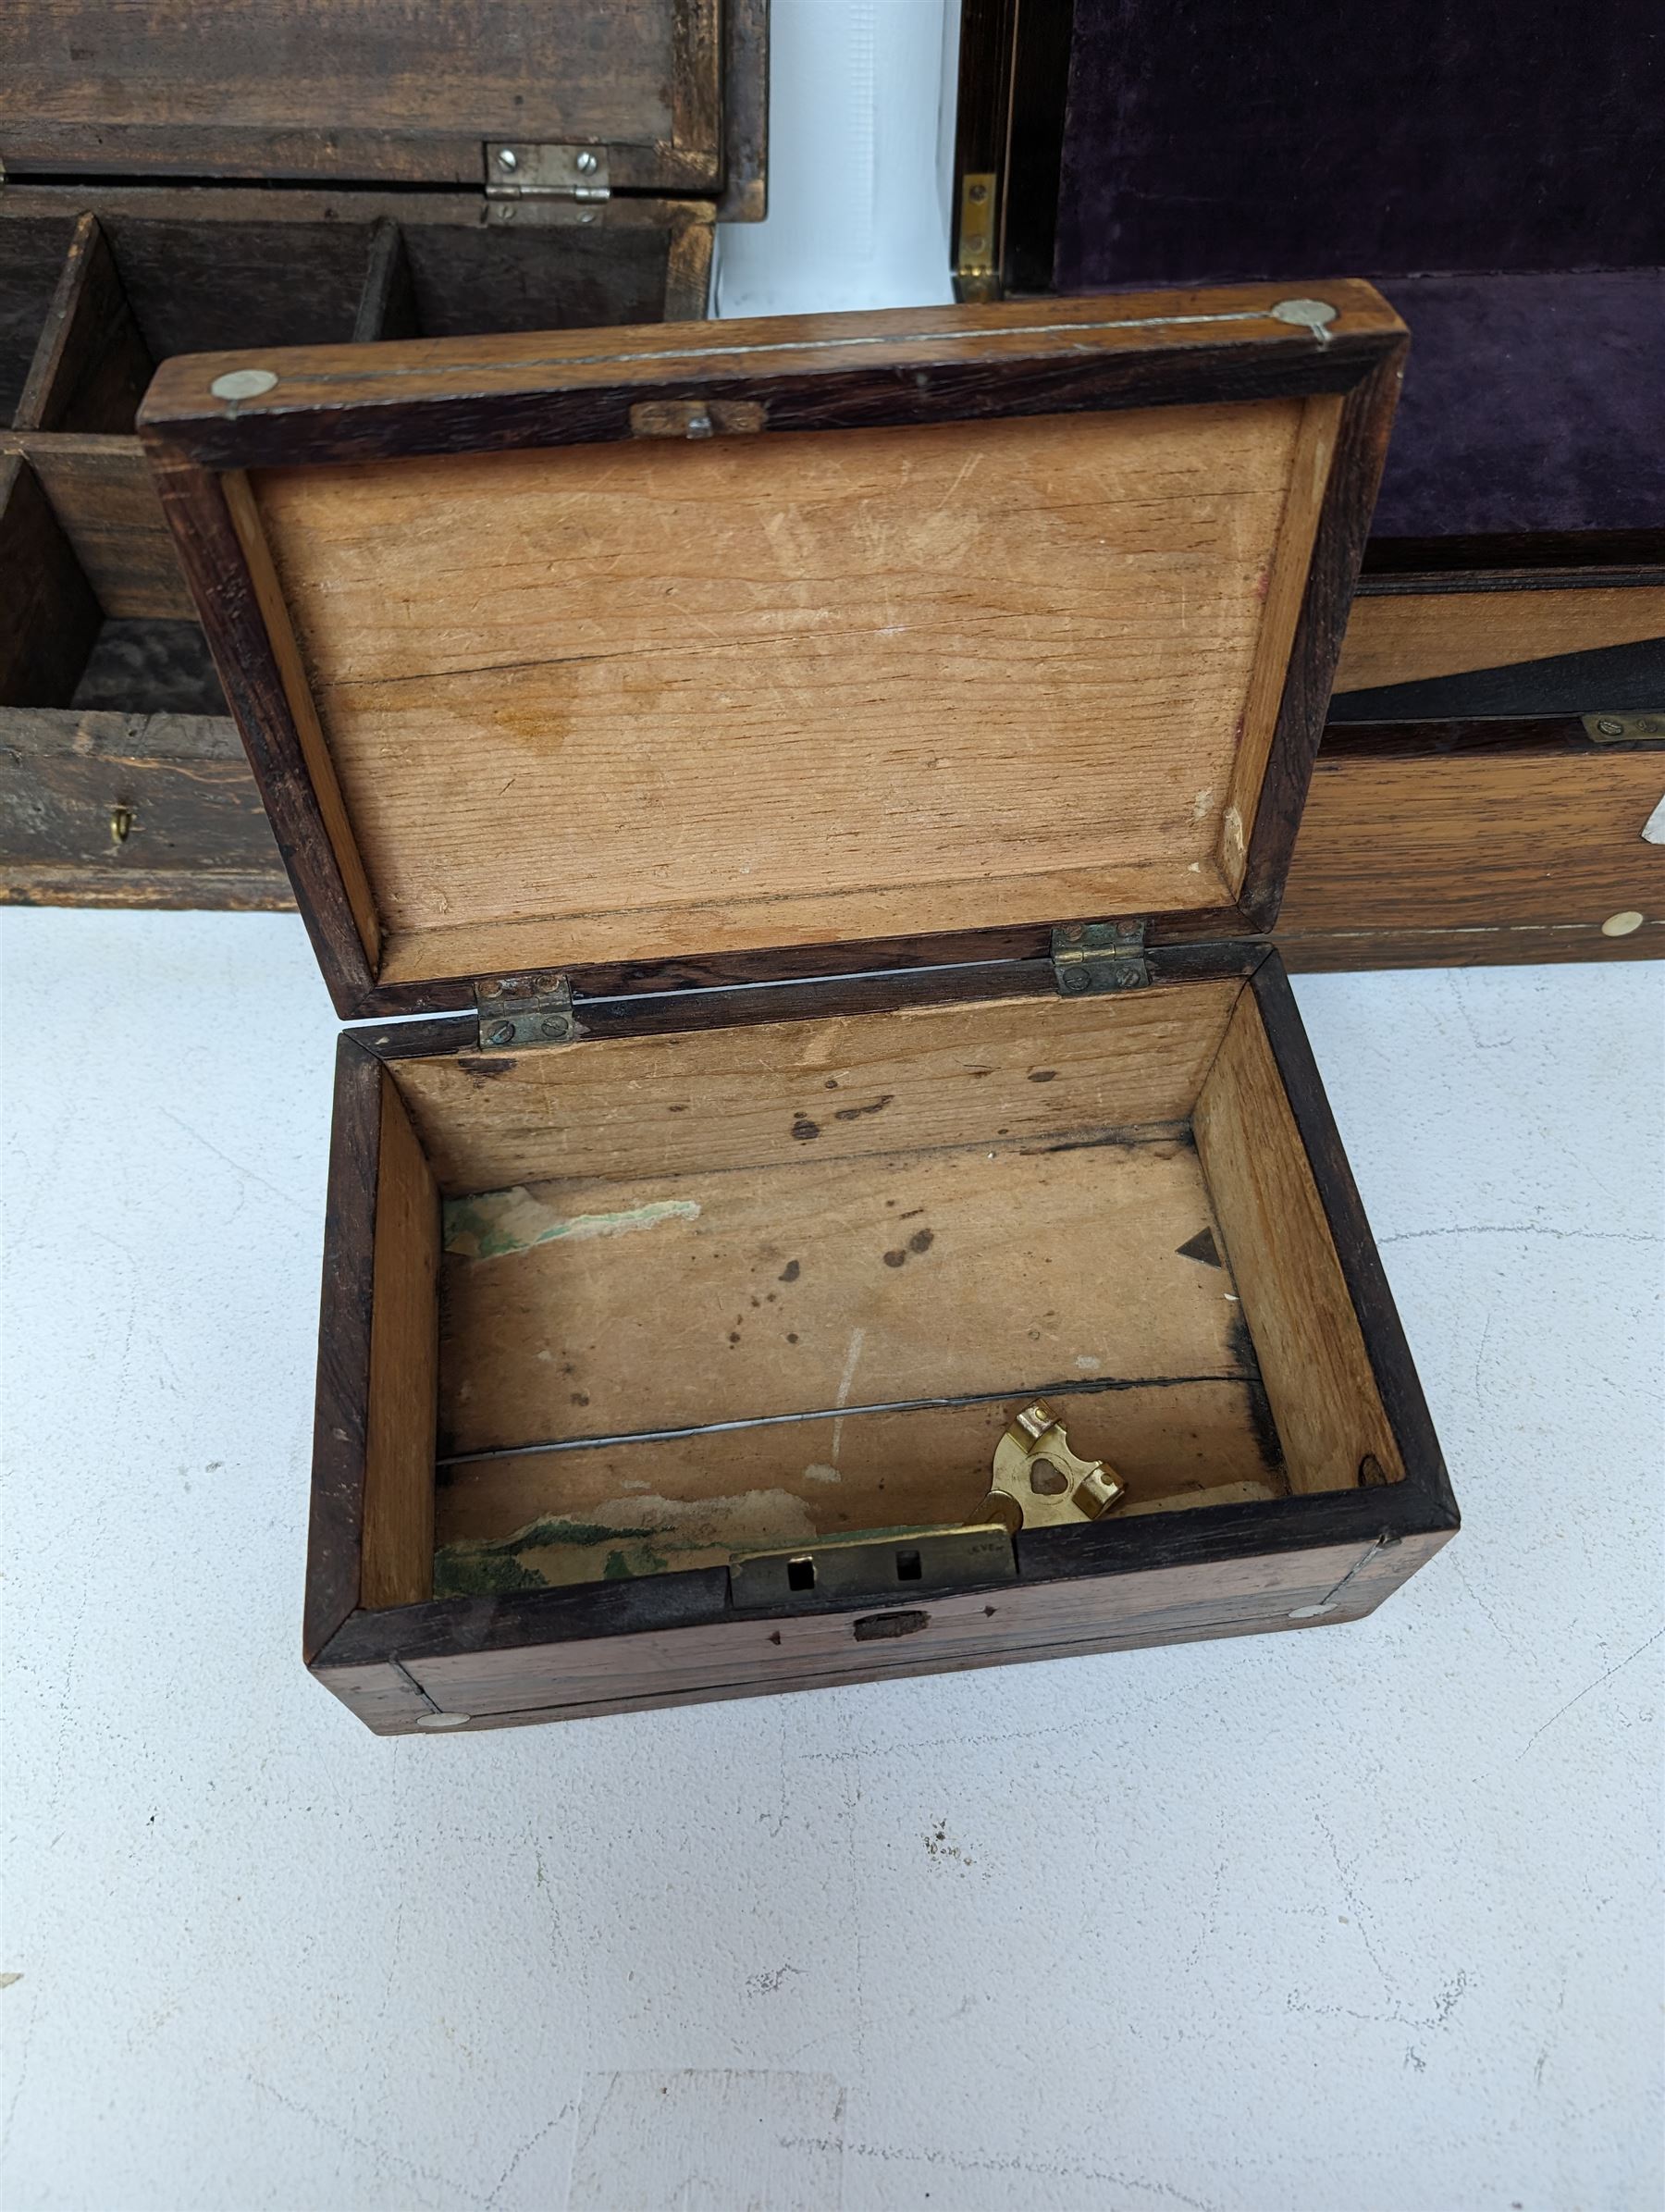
x,y
976,275
526,1010
525,172
1100,956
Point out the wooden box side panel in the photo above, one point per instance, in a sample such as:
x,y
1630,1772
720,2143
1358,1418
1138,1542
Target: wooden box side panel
x,y
1312,1351
744,1657
1338,1372
835,1088
371,1537
398,1564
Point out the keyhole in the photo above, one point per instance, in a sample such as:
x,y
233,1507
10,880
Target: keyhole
x,y
1045,1479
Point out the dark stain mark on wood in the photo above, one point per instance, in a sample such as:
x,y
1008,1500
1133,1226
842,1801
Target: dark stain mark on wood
x,y
486,1070
1043,1075
1201,1247
804,1130
896,1259
921,1240
855,1113
790,1272
874,1625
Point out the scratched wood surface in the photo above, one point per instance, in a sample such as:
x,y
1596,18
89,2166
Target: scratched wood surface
x,y
792,1093
775,690
600,1308
572,1516
1042,1619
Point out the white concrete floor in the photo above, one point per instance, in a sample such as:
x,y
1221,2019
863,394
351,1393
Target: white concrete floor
x,y
1358,1918
1366,1917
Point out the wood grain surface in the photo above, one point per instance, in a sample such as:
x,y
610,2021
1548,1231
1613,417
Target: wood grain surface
x,y
597,1309
1405,637
789,1092
690,1502
398,1540
767,690
193,76
1312,1358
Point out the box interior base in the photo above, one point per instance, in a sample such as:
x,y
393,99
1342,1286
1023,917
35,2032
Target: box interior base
x,y
764,1286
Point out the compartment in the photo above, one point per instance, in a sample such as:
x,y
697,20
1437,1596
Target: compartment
x,y
756,1288
32,261
62,647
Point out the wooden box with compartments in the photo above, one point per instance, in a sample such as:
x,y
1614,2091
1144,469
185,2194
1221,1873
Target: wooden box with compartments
x,y
854,1196
1500,717
182,177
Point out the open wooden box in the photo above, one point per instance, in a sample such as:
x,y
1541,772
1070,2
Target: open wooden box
x,y
183,178
825,781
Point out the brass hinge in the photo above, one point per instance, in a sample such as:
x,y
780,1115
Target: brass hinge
x,y
523,172
526,1010
1100,956
975,265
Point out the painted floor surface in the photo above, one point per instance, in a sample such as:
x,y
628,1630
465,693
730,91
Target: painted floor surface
x,y
1358,1918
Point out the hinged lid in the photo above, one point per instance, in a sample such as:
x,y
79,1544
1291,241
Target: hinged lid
x,y
374,90
787,647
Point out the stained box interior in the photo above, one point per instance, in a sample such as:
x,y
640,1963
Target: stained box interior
x,y
776,1283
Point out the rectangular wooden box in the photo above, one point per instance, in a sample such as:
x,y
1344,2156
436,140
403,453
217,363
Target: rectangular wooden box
x,y
177,179
826,783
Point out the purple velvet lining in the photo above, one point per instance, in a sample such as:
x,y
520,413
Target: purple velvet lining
x,y
1524,140
1213,140
1530,403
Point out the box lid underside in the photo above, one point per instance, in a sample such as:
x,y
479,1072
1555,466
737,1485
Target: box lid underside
x,y
669,698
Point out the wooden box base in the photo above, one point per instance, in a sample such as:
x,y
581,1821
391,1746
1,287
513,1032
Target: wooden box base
x,y
752,1283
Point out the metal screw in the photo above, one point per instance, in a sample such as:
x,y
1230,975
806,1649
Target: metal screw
x,y
501,1032
1609,727
492,991
979,192
556,1025
1074,933
700,424
585,164
1075,978
508,158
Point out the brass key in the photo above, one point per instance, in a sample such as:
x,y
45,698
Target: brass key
x,y
1040,1483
